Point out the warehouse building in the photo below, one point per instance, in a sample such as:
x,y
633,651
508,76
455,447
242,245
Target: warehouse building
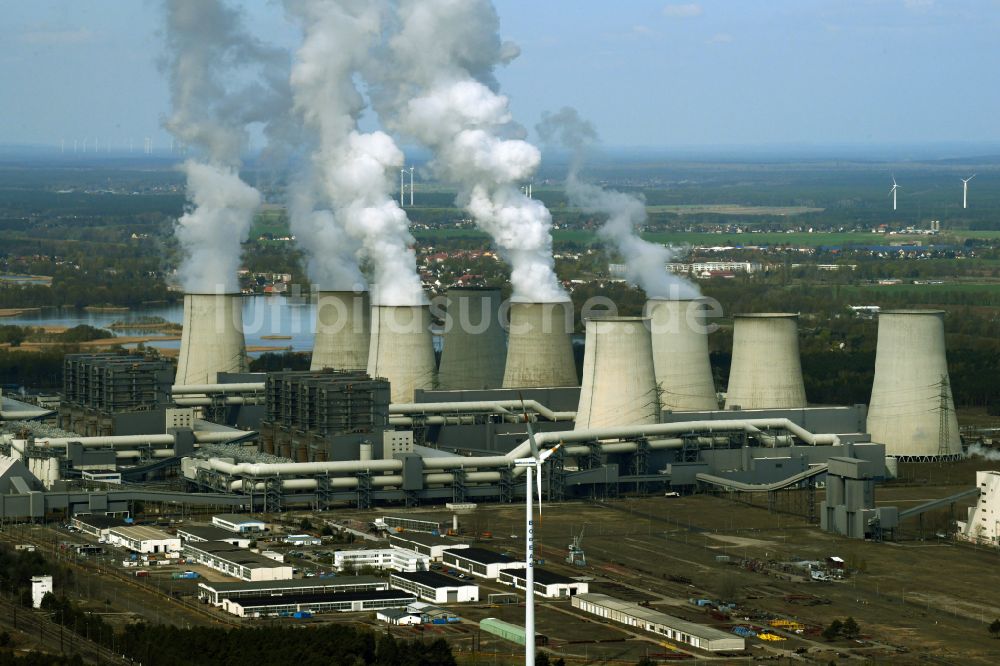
x,y
237,562
215,593
196,533
425,544
434,587
673,628
142,539
342,602
508,631
235,522
97,525
480,562
547,584
398,617
395,559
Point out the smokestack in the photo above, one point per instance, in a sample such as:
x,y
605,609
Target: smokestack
x,y
619,385
343,330
912,411
474,346
766,372
401,349
680,354
212,339
539,347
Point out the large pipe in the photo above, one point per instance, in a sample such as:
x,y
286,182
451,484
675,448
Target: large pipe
x,y
25,414
212,338
491,406
343,331
207,389
127,441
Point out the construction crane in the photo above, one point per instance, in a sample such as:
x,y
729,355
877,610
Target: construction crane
x,y
576,556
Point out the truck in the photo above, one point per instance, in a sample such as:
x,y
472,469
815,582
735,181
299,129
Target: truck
x,y
185,575
302,615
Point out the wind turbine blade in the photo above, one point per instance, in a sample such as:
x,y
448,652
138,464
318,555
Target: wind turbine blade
x,y
538,470
531,432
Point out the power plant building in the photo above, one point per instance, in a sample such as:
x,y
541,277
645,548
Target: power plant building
x,y
619,384
212,340
766,371
539,346
911,410
401,349
343,331
680,354
475,349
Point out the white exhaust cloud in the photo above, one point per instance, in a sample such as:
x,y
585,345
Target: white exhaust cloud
x,y
436,85
221,80
355,170
645,262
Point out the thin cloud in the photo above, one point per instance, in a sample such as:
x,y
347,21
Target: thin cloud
x,y
684,11
918,5
720,38
57,37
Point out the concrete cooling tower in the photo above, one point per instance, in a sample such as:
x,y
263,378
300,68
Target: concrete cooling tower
x,y
911,410
401,349
539,346
212,340
766,371
680,354
619,384
474,347
343,330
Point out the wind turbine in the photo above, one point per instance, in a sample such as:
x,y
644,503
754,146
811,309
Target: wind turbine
x,y
965,190
893,192
535,461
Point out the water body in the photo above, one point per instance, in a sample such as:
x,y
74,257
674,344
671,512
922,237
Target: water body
x,y
262,316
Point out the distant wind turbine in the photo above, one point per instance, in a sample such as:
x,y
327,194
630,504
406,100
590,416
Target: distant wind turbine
x,y
893,192
965,190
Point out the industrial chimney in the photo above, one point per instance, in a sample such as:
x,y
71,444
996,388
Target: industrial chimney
x,y
619,384
680,354
539,346
343,329
474,346
911,410
401,349
212,340
766,372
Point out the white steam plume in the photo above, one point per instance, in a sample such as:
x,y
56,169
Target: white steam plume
x,y
356,170
645,262
437,86
986,453
221,80
331,254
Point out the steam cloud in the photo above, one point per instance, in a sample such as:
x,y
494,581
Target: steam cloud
x,y
984,452
221,80
355,170
437,86
645,262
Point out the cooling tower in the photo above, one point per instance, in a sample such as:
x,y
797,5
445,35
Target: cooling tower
x,y
766,372
680,354
212,339
539,346
401,349
619,384
911,410
474,346
343,327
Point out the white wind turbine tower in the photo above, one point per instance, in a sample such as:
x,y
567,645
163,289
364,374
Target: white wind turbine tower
x,y
965,190
893,192
535,461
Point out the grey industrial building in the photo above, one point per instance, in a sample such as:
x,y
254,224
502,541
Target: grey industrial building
x,y
342,602
216,593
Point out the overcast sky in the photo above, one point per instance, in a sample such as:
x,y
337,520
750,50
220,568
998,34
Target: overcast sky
x,y
654,74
